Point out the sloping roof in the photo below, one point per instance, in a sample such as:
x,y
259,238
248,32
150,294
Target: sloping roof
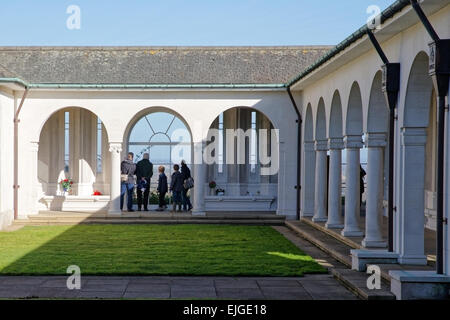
x,y
158,65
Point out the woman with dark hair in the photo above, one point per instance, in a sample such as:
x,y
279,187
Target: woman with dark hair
x,y
186,173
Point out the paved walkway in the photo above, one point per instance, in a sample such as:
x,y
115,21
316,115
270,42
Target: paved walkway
x,y
318,287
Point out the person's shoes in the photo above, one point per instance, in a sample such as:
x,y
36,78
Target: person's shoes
x,y
190,208
132,210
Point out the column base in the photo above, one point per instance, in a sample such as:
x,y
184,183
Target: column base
x,y
198,213
306,214
419,260
319,219
352,233
361,258
114,213
374,243
413,285
334,225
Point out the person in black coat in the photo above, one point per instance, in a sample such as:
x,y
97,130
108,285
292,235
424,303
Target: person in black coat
x,y
362,174
176,186
186,173
162,188
144,173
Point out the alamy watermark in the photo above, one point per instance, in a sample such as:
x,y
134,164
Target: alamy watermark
x,y
74,280
73,22
374,280
254,147
374,19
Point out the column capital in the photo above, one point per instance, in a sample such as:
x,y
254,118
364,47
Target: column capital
x,y
375,140
115,147
321,145
335,143
353,142
413,136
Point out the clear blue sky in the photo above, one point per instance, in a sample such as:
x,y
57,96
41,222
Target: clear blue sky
x,y
183,22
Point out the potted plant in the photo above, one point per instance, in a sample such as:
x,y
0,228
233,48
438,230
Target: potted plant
x,y
66,185
212,187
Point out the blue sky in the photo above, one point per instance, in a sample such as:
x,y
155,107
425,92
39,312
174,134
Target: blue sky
x,y
183,22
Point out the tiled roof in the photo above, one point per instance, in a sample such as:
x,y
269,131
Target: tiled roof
x,y
157,65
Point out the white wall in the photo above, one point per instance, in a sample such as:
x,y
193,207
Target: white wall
x,y
6,158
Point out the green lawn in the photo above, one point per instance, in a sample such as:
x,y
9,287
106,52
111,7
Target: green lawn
x,y
153,250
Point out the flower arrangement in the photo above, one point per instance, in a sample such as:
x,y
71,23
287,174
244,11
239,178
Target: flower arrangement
x,y
66,184
97,193
212,185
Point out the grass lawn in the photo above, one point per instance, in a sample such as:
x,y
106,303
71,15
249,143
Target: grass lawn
x,y
153,250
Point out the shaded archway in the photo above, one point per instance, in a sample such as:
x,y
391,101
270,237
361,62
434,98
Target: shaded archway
x,y
309,164
73,144
376,141
418,135
321,147
353,144
242,159
163,134
335,143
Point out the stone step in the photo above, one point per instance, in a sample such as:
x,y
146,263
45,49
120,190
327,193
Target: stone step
x,y
357,283
46,222
327,243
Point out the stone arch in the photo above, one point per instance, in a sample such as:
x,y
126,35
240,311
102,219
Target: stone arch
x,y
153,109
308,165
69,148
321,123
378,112
160,132
335,124
415,163
418,94
354,114
308,130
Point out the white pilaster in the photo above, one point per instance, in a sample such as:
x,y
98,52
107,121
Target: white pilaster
x,y
335,184
200,169
115,149
320,193
410,219
375,142
308,179
34,159
352,172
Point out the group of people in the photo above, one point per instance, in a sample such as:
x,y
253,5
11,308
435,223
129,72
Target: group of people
x,y
139,175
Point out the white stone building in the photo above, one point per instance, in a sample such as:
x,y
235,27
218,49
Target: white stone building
x,y
88,100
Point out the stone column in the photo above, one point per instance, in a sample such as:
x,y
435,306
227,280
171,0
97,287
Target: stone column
x,y
308,178
410,218
83,148
375,142
115,148
200,169
335,184
34,162
320,192
352,172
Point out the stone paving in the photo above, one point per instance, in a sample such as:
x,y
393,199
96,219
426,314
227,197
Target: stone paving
x,y
317,287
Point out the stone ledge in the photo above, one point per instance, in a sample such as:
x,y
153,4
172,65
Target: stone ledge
x,y
361,258
413,285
